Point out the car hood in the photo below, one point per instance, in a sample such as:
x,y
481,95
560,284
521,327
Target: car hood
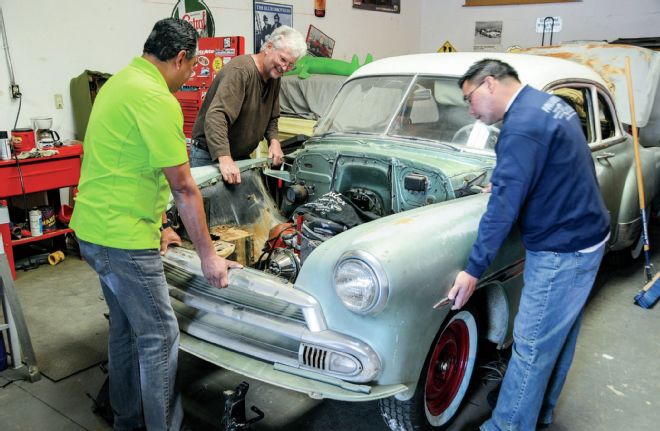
x,y
452,161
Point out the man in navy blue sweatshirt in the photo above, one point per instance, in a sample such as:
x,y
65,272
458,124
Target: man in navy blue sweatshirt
x,y
545,182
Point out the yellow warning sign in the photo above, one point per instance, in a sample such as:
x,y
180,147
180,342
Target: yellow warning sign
x,y
447,47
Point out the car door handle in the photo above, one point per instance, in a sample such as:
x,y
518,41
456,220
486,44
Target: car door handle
x,y
604,156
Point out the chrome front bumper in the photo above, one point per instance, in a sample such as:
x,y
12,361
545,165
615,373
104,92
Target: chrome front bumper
x,y
264,317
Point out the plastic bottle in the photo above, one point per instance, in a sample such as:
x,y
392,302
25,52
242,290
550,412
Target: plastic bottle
x,y
5,149
319,8
36,227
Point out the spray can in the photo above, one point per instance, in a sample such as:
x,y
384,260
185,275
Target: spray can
x,y
36,227
5,149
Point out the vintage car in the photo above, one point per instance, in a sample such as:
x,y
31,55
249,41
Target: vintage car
x,y
348,247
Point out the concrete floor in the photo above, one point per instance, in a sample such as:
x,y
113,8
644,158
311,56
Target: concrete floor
x,y
614,384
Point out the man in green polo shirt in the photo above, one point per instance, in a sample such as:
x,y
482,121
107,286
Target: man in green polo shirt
x,y
135,153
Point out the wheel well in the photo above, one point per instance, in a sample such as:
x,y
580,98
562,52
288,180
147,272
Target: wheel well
x,y
492,306
494,311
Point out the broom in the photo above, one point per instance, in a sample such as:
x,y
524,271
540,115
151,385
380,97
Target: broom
x,y
648,296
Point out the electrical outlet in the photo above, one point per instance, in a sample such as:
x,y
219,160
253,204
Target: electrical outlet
x,y
59,102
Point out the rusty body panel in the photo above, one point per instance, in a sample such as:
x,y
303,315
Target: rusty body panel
x,y
608,60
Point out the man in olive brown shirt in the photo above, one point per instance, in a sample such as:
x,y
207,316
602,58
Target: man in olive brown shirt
x,y
242,106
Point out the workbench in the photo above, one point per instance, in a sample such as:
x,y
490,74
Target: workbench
x,y
39,175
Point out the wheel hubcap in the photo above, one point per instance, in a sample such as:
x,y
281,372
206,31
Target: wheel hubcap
x,y
447,367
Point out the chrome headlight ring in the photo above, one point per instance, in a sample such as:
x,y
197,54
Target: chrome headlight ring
x,y
360,282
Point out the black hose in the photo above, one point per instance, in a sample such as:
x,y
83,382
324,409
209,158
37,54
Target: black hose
x,y
18,164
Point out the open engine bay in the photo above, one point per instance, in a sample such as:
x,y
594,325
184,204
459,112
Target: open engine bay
x,y
274,220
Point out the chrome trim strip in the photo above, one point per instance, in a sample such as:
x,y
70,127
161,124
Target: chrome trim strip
x,y
514,269
629,232
218,336
257,282
331,341
316,388
314,331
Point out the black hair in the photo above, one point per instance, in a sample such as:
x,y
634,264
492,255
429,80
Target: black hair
x,y
488,67
170,36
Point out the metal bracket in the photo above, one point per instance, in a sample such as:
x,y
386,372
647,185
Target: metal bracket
x,y
233,418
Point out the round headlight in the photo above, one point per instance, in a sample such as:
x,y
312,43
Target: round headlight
x,y
360,283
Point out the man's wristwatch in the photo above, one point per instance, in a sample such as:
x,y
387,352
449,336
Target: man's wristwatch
x,y
167,224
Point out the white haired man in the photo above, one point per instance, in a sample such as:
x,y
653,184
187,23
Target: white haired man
x,y
242,106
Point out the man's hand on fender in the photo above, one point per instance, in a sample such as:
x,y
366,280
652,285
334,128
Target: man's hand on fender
x,y
275,152
462,290
229,170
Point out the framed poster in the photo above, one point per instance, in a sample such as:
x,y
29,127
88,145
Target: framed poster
x,y
267,17
393,6
319,44
488,36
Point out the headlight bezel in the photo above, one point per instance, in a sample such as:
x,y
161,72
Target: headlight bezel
x,y
373,264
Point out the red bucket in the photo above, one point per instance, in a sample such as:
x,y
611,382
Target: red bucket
x,y
22,140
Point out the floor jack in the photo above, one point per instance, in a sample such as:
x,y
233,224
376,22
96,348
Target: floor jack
x,y
233,418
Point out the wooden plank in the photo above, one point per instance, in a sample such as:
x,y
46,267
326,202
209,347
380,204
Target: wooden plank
x,y
242,241
470,3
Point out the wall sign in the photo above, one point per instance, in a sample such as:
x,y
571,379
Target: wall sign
x,y
198,14
267,17
548,24
447,47
319,44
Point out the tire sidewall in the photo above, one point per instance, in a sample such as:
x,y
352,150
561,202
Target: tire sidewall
x,y
468,317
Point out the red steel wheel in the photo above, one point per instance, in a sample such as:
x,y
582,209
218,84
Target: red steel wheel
x,y
450,368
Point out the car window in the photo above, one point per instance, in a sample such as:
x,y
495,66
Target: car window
x,y
579,99
434,109
605,118
365,105
419,107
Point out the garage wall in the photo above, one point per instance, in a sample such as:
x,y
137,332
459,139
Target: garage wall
x,y
586,20
51,42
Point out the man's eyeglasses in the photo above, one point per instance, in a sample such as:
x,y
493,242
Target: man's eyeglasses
x,y
468,97
285,63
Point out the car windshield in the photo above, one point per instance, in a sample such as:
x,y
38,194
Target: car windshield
x,y
415,107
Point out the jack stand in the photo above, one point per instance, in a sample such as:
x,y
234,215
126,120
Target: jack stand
x,y
233,418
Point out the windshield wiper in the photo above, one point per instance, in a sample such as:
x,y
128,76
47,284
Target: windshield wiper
x,y
347,132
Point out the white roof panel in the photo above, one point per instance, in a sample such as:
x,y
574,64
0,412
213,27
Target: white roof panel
x,y
533,70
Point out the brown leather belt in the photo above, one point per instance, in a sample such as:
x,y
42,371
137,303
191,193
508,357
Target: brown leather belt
x,y
199,144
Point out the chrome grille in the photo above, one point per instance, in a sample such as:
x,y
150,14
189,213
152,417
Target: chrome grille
x,y
314,357
234,295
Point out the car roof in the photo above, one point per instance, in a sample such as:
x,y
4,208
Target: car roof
x,y
536,71
608,60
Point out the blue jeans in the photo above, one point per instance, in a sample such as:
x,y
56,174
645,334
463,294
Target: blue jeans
x,y
199,157
143,340
545,332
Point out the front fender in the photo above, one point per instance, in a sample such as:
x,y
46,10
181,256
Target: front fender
x,y
629,222
421,251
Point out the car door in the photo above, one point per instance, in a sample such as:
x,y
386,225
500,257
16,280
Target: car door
x,y
612,154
